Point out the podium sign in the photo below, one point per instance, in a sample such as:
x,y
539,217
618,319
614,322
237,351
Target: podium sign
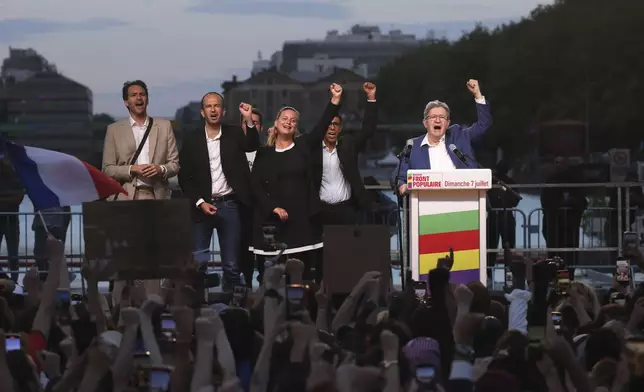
x,y
448,210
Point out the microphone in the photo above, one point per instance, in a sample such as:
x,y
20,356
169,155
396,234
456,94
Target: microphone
x,y
407,150
461,157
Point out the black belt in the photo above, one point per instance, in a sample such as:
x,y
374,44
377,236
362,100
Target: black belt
x,y
342,203
229,197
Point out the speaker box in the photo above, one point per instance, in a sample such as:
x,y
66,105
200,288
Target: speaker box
x,y
350,251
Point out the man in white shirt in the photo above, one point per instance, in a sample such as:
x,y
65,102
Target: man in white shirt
x,y
431,151
145,178
216,178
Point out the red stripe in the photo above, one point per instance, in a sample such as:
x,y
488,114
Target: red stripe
x,y
458,240
105,186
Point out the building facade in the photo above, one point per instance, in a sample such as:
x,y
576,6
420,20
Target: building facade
x,y
40,107
270,90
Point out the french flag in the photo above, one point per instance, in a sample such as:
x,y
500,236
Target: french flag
x,y
53,179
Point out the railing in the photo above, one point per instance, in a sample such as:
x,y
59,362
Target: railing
x,y
600,230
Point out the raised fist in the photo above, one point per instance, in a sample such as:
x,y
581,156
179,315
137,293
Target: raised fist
x,y
474,88
246,110
369,89
336,90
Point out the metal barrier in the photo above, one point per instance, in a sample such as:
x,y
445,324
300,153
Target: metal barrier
x,y
529,225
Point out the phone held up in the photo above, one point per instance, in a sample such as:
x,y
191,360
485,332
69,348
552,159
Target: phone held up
x,y
629,241
623,272
295,299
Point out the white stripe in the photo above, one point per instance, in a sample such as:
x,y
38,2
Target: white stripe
x,y
289,251
65,175
439,202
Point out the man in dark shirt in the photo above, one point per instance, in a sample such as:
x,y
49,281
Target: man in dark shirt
x,y
11,195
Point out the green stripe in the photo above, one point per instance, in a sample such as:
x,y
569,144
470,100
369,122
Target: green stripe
x,y
448,222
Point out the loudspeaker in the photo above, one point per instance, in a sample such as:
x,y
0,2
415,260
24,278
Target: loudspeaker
x,y
350,251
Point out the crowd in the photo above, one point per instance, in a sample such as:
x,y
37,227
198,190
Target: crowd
x,y
289,336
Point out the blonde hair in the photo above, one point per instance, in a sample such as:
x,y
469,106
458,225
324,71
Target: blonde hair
x,y
271,138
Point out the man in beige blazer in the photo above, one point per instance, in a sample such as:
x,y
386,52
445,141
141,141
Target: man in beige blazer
x,y
147,178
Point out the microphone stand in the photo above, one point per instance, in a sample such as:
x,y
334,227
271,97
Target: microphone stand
x,y
403,155
496,179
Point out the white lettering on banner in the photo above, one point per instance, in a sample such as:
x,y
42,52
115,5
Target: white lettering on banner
x,y
466,184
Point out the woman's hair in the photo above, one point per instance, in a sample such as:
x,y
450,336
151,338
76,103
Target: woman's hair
x,y
271,138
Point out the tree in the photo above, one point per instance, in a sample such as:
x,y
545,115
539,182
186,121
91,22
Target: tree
x,y
575,59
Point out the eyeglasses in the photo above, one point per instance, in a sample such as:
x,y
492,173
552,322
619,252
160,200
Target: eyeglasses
x,y
437,117
335,124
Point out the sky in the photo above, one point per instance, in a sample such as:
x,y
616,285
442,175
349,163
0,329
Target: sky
x,y
183,48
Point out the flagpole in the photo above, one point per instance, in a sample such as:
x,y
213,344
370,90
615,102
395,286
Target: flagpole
x,y
42,220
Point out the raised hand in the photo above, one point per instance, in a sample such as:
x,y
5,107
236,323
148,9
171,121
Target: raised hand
x,y
246,110
336,93
474,88
369,89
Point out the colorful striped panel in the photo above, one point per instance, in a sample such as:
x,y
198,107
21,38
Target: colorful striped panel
x,y
459,277
458,230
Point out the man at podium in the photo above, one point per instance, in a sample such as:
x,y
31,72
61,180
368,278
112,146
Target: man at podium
x,y
432,150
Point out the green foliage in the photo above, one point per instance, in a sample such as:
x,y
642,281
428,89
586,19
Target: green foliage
x,y
576,59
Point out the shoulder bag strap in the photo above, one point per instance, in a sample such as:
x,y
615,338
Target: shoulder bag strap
x,y
140,146
143,140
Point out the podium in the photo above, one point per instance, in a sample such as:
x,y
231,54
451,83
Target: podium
x,y
448,210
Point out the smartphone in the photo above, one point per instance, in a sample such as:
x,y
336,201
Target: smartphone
x,y
239,295
509,278
421,290
139,349
556,320
622,272
295,298
425,374
168,327
12,342
629,240
563,282
76,298
63,297
159,378
618,298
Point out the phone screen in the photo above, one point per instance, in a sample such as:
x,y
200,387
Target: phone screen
x,y
622,271
168,324
425,374
295,297
420,289
629,240
12,342
62,296
508,278
556,320
159,380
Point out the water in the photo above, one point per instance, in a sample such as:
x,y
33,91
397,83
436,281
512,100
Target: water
x,y
528,233
75,241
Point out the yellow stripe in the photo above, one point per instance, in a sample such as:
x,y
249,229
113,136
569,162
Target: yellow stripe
x,y
463,260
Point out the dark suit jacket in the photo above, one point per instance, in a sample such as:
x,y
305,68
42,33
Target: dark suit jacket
x,y
458,135
265,179
348,150
194,177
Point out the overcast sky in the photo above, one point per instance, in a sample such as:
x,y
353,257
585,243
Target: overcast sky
x,y
183,48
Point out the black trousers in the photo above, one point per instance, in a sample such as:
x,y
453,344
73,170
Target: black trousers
x,y
248,261
500,224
